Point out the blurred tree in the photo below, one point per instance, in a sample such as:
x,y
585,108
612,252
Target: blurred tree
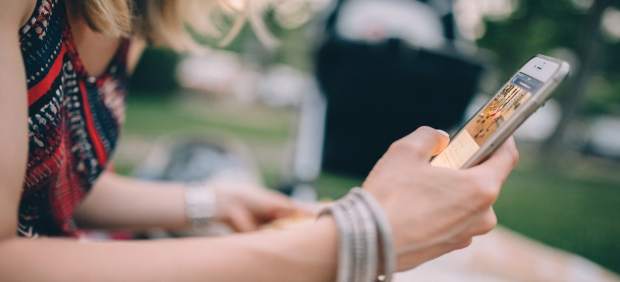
x,y
589,53
549,26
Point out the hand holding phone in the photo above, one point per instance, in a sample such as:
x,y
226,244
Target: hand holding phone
x,y
497,120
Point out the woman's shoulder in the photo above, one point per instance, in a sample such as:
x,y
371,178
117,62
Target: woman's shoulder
x,y
17,13
41,36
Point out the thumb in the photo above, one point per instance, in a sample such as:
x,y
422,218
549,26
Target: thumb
x,y
276,205
424,142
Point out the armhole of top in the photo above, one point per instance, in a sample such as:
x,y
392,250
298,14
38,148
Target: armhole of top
x,y
31,15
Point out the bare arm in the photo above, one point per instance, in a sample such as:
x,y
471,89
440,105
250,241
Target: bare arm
x,y
311,254
13,114
306,254
118,202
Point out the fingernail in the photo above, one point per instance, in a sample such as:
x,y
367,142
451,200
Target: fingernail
x,y
443,132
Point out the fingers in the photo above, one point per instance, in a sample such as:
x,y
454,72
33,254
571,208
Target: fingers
x,y
241,220
311,209
267,205
423,143
277,205
482,224
491,174
502,161
246,205
444,140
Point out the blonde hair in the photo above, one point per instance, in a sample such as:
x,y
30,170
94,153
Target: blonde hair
x,y
171,22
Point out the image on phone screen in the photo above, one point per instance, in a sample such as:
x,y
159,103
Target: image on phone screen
x,y
482,126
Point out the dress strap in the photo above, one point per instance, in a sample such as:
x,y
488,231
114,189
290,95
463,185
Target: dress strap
x,y
39,18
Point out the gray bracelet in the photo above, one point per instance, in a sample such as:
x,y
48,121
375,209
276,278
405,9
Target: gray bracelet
x,y
370,265
358,240
361,223
385,233
345,252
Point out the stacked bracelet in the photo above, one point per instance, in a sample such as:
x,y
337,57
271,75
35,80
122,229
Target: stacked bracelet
x,y
388,255
364,230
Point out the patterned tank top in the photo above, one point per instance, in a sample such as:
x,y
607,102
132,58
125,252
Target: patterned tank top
x,y
73,121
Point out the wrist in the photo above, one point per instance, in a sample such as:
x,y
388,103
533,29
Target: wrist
x,y
365,247
200,204
317,246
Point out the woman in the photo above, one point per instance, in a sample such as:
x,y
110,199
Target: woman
x,y
60,123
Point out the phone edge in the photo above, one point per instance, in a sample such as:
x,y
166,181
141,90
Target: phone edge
x,y
560,74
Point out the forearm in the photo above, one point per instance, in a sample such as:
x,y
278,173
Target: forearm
x,y
118,202
304,254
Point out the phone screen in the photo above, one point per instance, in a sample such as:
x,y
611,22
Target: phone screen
x,y
482,126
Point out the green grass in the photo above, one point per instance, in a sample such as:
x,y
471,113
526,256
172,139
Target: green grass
x,y
265,132
566,208
154,117
573,204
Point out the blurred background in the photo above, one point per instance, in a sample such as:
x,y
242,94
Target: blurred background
x,y
312,96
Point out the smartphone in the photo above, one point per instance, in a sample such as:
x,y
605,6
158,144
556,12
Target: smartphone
x,y
519,98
